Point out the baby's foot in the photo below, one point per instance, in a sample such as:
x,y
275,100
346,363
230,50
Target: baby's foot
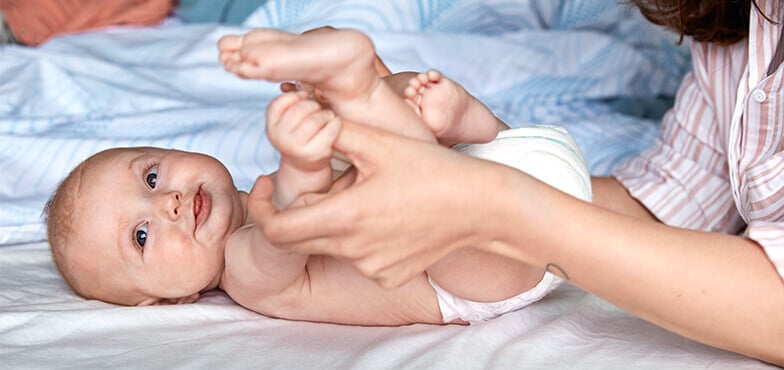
x,y
449,110
339,64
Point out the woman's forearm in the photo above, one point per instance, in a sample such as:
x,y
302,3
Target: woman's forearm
x,y
717,289
390,224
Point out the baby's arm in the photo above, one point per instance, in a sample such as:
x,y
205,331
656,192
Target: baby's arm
x,y
257,273
279,284
303,132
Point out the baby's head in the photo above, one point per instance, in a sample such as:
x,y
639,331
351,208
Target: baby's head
x,y
139,226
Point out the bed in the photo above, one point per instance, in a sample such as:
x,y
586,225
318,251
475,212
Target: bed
x,y
594,67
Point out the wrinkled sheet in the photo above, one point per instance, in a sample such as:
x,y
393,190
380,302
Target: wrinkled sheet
x,y
43,325
591,66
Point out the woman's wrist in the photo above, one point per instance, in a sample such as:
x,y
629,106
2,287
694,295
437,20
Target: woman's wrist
x,y
501,216
528,216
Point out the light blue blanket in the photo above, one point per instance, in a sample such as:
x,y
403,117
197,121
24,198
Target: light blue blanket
x,y
595,67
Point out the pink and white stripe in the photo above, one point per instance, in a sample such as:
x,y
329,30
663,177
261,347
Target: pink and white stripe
x,y
718,164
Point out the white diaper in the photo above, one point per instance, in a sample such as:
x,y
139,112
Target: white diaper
x,y
549,154
453,307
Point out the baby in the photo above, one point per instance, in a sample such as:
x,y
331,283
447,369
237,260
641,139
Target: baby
x,y
145,226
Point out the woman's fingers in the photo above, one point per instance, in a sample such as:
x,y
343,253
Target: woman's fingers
x,y
309,225
364,146
293,227
260,205
386,216
346,179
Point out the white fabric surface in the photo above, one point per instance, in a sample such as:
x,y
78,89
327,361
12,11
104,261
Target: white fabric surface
x,y
589,65
44,326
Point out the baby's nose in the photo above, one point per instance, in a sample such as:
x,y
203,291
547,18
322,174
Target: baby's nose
x,y
170,204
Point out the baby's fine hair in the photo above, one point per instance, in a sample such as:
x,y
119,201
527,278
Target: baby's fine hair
x,y
58,215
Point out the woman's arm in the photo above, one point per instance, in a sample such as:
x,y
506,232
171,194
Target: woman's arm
x,y
717,289
610,194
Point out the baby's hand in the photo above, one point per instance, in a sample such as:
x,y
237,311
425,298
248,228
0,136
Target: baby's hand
x,y
302,131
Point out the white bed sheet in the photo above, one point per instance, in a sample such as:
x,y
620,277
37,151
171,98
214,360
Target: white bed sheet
x,y
43,325
532,62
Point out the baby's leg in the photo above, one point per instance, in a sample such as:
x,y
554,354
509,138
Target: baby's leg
x,y
341,64
454,115
483,277
546,153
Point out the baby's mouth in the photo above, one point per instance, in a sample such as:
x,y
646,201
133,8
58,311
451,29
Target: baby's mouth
x,y
201,208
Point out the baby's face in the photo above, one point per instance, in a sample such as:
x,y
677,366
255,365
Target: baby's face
x,y
153,223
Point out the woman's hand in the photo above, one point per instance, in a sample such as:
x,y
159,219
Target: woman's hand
x,y
407,205
412,203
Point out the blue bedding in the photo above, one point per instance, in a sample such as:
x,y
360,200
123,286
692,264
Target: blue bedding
x,y
595,67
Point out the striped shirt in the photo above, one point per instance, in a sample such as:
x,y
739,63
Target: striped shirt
x,y
718,164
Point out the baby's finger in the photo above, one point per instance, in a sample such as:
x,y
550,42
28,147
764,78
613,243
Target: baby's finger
x,y
319,148
293,117
279,105
312,124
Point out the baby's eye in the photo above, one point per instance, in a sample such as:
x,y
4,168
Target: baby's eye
x,y
140,235
151,177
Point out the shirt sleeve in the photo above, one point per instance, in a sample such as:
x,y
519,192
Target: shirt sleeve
x,y
683,178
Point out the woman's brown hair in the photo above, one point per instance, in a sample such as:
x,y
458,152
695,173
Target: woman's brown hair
x,y
720,21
